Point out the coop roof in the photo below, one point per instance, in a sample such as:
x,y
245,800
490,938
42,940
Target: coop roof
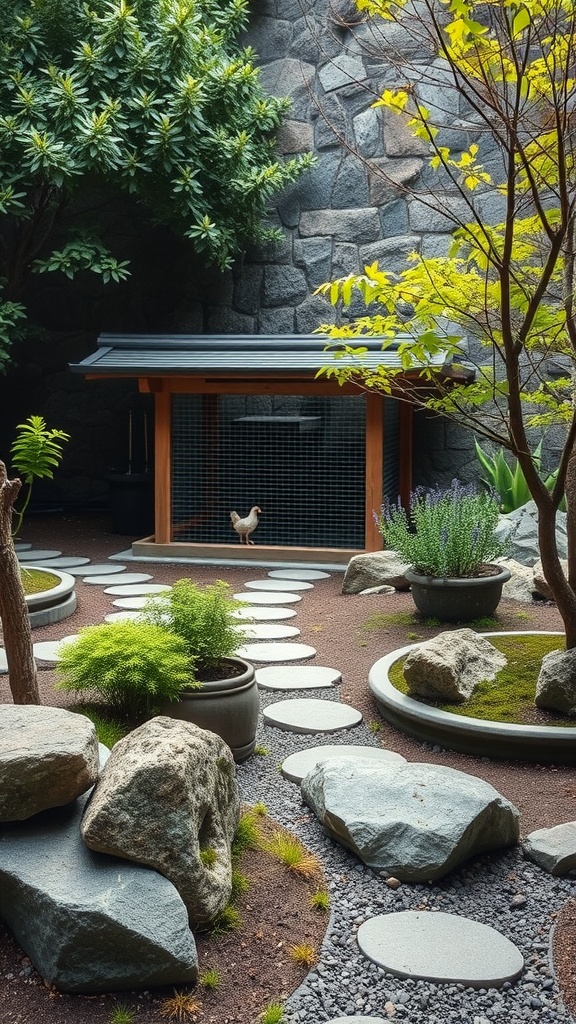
x,y
225,354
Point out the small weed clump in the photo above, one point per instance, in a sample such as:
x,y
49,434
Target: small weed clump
x,y
261,751
247,835
209,979
320,900
272,1014
291,852
181,1007
304,954
260,809
379,621
240,885
374,725
121,1014
228,920
208,857
108,728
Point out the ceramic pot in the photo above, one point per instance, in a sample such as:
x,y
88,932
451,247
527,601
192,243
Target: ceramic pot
x,y
229,707
457,599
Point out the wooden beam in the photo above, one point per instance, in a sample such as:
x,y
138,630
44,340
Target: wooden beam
x,y
251,386
405,452
163,468
374,468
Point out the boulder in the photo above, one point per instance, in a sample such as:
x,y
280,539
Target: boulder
x,y
553,849
520,586
415,822
168,797
90,923
521,526
541,585
556,686
48,757
373,570
450,666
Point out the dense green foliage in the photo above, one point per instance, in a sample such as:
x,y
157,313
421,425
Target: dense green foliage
x,y
35,454
200,616
153,99
133,666
508,480
445,533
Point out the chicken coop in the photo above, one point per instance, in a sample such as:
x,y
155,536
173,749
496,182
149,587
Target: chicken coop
x,y
244,421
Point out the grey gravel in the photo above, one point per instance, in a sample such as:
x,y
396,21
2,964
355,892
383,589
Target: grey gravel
x,y
344,982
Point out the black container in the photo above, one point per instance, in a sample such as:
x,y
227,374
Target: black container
x,y
132,503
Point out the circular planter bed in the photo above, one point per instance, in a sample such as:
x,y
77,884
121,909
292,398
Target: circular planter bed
x,y
55,603
540,743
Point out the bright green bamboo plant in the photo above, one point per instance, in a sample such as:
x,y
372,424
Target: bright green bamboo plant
x,y
36,452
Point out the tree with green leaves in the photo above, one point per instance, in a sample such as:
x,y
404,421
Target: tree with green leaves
x,y
509,286
154,100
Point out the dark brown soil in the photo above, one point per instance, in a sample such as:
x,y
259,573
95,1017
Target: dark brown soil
x,y
349,633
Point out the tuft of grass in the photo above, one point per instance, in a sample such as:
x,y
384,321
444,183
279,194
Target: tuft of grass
x,y
228,920
526,616
209,979
180,1007
260,809
121,1014
379,621
413,636
247,834
291,852
240,885
509,697
261,751
208,857
320,900
272,1014
374,725
432,622
484,623
304,954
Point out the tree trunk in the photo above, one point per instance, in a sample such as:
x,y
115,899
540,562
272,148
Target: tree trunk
x,y
562,588
13,609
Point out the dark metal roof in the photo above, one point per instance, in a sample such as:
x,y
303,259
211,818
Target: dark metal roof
x,y
224,354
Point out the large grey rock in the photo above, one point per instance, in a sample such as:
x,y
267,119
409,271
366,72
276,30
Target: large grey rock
x,y
90,923
413,821
553,849
167,795
556,685
451,665
540,583
48,757
522,528
521,585
373,570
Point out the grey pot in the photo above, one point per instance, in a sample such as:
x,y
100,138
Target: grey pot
x,y
457,599
228,707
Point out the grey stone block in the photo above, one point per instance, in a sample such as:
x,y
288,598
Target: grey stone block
x,y
391,253
276,321
271,37
553,849
368,132
342,70
433,246
226,321
314,255
330,126
394,219
101,924
351,185
398,138
314,190
432,213
345,259
288,209
295,137
388,178
287,77
283,286
344,225
247,290
313,312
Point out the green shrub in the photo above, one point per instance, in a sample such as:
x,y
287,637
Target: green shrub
x,y
508,480
133,666
200,616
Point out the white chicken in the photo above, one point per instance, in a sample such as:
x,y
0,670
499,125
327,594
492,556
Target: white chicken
x,y
244,527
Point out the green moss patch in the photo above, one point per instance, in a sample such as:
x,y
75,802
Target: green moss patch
x,y
35,582
510,696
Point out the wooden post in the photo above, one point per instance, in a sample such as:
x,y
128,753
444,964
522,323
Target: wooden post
x,y
163,468
374,469
405,444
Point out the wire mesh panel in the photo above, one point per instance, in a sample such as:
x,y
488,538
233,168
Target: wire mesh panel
x,y
301,460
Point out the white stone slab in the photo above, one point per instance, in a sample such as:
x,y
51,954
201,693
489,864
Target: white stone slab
x,y
64,562
440,947
128,577
266,631
263,614
137,589
3,661
297,765
31,555
306,715
20,545
359,1020
297,677
97,570
276,652
130,603
278,585
122,616
298,574
271,598
50,650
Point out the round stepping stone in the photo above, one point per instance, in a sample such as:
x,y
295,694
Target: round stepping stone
x,y
50,650
271,598
276,652
263,614
297,677
64,562
3,661
305,715
137,589
97,570
21,546
121,616
31,556
130,603
278,585
128,577
359,1020
440,947
266,631
297,765
298,574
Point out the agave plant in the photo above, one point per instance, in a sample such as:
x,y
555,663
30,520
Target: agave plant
x,y
509,481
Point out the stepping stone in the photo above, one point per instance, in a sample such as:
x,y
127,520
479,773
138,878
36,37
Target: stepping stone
x,y
359,1020
97,570
266,631
31,556
21,546
276,652
306,715
297,765
122,617
50,650
263,614
297,677
298,574
137,589
440,947
278,585
128,577
130,603
267,598
3,661
64,562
